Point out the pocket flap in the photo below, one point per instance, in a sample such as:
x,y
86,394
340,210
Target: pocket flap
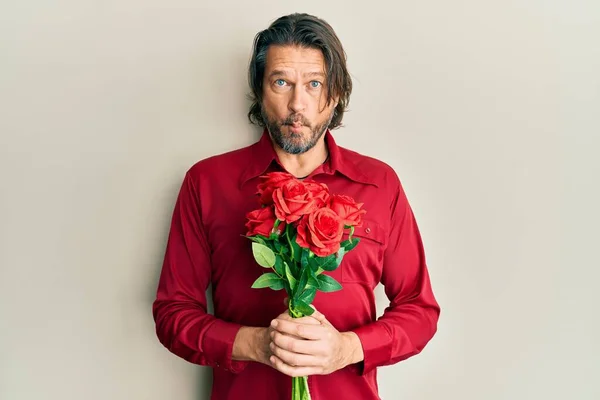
x,y
369,230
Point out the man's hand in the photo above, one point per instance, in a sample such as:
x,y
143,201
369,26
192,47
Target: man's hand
x,y
301,349
253,344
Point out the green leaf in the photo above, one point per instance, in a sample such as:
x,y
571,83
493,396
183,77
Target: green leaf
x,y
350,244
308,295
263,255
290,277
277,285
304,258
303,281
297,249
313,262
294,247
340,256
266,280
312,281
288,289
328,284
281,246
328,263
295,269
258,239
278,267
304,308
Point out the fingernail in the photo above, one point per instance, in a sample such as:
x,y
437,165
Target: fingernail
x,y
274,323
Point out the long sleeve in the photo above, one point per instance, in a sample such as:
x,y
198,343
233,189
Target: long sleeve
x,y
410,320
180,310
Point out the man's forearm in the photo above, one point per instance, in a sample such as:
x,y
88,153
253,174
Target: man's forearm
x,y
251,344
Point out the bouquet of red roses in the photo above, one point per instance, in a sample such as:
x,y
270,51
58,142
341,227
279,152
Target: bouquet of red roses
x,y
297,236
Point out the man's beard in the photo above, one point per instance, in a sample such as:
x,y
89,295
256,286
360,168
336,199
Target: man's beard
x,y
295,143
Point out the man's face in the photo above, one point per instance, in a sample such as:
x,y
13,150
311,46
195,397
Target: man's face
x,y
295,96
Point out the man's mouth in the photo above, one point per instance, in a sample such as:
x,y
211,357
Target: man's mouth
x,y
295,127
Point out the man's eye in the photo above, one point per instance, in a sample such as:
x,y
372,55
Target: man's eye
x,y
280,82
315,84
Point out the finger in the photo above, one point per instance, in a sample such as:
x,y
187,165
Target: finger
x,y
284,316
294,359
320,317
293,371
298,345
301,320
305,321
306,331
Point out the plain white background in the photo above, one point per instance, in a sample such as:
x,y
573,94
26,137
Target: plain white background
x,y
488,110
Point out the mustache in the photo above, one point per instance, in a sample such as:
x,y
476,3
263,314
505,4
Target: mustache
x,y
296,118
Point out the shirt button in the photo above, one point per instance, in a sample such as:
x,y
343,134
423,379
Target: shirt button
x,y
368,230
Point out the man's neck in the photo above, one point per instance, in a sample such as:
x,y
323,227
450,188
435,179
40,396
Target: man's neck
x,y
302,165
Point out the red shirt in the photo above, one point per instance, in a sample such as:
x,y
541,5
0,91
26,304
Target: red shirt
x,y
205,246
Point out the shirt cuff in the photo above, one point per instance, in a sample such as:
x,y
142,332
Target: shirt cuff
x,y
218,346
376,344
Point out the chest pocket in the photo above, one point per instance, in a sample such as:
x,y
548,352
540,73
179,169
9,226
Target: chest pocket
x,y
363,264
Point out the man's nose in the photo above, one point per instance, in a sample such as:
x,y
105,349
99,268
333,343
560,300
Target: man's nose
x,y
297,102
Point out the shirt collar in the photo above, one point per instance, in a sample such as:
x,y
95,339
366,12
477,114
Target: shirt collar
x,y
263,156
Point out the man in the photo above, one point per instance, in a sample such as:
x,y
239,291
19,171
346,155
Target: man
x,y
300,87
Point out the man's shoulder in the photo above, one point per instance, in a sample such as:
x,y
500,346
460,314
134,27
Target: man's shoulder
x,y
231,161
375,170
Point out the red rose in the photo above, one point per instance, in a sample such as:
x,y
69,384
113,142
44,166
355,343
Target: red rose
x,y
269,183
321,232
320,192
292,200
349,211
261,222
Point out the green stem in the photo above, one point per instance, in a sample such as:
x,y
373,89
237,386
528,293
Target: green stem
x,y
300,388
306,391
276,273
287,235
293,312
299,384
295,393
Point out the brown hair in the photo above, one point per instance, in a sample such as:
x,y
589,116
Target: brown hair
x,y
307,31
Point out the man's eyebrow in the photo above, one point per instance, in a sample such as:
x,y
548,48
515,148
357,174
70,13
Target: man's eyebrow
x,y
319,74
277,72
